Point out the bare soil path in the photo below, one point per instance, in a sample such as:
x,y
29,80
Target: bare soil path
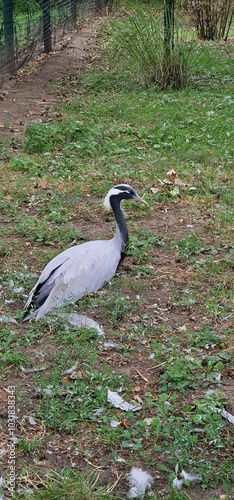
x,y
31,95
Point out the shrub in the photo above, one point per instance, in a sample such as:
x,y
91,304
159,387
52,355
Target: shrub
x,y
212,18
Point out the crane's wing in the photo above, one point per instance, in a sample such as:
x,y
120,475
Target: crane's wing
x,y
77,271
48,271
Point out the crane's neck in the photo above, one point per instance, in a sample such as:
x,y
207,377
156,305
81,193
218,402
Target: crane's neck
x,y
121,234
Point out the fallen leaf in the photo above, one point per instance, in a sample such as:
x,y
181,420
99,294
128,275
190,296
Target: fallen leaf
x,y
33,370
154,190
153,394
137,388
172,173
109,345
123,424
75,375
138,399
167,181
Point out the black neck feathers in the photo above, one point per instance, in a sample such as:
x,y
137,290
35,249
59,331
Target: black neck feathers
x,y
115,205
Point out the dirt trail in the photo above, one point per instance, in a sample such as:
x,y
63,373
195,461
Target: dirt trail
x,y
28,97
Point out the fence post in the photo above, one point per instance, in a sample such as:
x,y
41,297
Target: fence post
x,y
169,25
73,12
47,30
8,27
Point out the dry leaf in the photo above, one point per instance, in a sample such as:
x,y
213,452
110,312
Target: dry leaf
x,y
75,375
138,399
123,424
172,173
153,394
137,388
167,181
154,190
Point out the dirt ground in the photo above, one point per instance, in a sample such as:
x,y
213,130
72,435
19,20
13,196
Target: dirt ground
x,y
28,96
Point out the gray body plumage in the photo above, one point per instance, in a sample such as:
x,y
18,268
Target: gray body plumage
x,y
84,268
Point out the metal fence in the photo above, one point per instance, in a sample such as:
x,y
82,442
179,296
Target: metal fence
x,y
28,27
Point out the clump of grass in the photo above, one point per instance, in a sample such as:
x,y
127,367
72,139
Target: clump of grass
x,y
70,484
137,43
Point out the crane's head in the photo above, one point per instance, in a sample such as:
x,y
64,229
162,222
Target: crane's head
x,y
121,192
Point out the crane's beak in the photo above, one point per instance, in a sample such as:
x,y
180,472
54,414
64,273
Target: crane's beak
x,y
138,198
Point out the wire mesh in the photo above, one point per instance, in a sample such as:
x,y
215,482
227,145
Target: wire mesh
x,y
28,27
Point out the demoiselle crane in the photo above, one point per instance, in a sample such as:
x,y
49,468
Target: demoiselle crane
x,y
84,268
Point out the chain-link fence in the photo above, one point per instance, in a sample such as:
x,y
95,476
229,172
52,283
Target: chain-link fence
x,y
28,27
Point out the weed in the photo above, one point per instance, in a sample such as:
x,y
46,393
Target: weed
x,y
191,245
42,138
141,246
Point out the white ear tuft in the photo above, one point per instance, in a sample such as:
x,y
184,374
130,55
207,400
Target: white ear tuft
x,y
113,191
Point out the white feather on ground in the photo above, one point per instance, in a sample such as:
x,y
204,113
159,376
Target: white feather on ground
x,y
81,321
118,402
225,414
184,476
139,482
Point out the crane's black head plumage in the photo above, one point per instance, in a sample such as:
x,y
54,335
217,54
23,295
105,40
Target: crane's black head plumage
x,y
119,193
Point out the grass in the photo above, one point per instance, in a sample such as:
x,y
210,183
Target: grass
x,y
167,314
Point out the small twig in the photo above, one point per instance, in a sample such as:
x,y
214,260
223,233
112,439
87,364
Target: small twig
x,y
111,488
142,376
156,366
90,463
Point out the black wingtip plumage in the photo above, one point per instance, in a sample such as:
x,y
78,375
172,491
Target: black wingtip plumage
x,y
28,317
